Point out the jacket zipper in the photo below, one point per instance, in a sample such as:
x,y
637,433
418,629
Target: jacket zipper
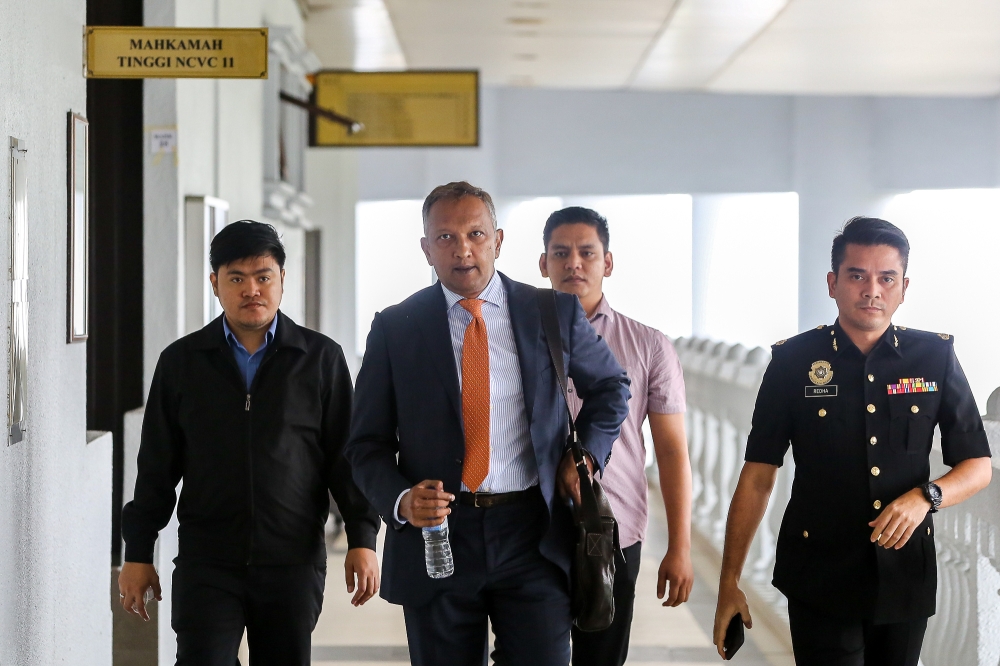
x,y
250,479
267,357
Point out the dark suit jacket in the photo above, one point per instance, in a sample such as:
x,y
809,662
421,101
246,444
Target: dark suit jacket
x,y
408,403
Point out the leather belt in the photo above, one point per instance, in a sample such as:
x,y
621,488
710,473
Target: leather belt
x,y
489,500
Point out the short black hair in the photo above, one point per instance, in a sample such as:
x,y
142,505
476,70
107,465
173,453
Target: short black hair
x,y
577,215
869,231
245,239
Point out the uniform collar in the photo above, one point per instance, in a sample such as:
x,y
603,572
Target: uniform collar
x,y
603,310
840,341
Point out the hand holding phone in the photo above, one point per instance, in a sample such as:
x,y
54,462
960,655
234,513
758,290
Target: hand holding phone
x,y
734,636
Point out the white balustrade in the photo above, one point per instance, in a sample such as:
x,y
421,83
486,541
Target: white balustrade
x,y
722,382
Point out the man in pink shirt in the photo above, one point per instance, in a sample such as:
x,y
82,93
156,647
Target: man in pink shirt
x,y
576,260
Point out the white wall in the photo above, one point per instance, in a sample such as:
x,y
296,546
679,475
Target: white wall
x,y
55,488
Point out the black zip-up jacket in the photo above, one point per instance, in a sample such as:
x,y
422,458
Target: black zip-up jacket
x,y
256,465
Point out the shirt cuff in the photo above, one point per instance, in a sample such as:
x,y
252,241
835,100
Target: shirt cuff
x,y
395,508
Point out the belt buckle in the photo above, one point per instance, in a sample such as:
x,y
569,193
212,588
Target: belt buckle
x,y
475,500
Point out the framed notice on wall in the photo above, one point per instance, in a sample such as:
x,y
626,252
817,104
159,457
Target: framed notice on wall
x,y
414,108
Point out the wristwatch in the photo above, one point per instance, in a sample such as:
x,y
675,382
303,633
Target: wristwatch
x,y
932,493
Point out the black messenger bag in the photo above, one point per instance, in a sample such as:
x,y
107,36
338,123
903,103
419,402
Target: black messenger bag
x,y
592,578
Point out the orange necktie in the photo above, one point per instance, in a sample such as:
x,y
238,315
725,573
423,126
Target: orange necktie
x,y
475,396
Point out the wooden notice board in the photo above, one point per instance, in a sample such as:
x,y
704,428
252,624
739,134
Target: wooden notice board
x,y
415,108
126,52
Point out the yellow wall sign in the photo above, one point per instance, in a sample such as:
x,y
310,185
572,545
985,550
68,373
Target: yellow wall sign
x,y
417,108
119,52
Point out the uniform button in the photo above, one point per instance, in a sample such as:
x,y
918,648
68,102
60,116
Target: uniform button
x,y
873,440
805,534
914,409
871,378
871,409
876,471
928,531
877,504
822,412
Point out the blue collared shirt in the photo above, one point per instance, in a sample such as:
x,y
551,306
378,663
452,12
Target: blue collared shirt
x,y
249,363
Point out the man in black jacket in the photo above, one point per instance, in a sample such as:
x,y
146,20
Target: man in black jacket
x,y
252,413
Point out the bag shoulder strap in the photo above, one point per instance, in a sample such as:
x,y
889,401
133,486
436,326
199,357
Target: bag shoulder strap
x,y
550,326
589,512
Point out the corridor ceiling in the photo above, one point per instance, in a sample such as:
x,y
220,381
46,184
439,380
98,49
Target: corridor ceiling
x,y
880,47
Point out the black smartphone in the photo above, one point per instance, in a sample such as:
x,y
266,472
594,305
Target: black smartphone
x,y
734,636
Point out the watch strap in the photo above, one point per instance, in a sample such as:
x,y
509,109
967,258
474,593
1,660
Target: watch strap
x,y
932,493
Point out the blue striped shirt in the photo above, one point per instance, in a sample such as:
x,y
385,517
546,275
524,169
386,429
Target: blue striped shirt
x,y
512,458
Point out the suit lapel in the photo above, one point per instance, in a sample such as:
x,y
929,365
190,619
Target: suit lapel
x,y
525,320
432,319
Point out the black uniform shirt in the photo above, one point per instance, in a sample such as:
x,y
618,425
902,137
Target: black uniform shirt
x,y
861,429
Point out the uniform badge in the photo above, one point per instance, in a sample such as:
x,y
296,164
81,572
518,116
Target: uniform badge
x,y
912,385
820,373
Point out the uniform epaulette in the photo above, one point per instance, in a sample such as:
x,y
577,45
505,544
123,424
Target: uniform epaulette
x,y
806,335
926,335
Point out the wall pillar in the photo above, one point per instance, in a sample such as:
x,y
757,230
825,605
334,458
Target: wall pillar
x,y
163,238
833,175
703,217
332,182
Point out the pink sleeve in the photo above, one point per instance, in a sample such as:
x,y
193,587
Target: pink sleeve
x,y
666,378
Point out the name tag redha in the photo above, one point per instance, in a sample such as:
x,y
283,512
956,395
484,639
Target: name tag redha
x,y
828,391
912,385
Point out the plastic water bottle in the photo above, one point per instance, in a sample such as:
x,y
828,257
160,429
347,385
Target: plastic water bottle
x,y
437,551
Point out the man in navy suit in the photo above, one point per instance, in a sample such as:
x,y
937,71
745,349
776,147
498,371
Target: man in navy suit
x,y
458,414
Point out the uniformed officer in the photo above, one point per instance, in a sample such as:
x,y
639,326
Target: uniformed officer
x,y
858,402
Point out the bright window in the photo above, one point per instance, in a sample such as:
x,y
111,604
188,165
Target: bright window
x,y
650,241
954,236
747,246
522,224
651,246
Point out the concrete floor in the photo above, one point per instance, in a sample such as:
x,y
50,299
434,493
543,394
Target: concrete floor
x,y
374,635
